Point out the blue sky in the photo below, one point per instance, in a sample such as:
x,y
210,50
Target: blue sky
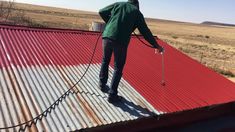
x,y
181,10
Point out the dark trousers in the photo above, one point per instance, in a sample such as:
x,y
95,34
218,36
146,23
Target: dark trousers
x,y
120,52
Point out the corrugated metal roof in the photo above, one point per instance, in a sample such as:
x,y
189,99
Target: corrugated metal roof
x,y
189,84
37,66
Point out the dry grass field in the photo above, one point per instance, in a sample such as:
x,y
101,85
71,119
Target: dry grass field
x,y
213,46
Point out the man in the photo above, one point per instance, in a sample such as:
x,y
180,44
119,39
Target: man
x,y
121,19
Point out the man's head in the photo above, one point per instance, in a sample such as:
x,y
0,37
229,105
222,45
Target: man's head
x,y
134,2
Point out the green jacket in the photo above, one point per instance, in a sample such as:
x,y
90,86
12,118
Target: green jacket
x,y
122,18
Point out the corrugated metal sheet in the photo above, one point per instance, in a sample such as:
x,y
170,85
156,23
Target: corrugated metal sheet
x,y
38,65
189,84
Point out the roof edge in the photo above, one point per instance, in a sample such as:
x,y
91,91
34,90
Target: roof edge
x,y
171,120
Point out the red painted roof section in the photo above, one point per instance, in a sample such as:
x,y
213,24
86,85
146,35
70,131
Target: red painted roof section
x,y
189,84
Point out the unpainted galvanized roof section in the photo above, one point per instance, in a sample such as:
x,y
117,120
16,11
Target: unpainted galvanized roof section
x,y
36,68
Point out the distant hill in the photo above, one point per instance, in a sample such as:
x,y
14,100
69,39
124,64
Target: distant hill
x,y
217,24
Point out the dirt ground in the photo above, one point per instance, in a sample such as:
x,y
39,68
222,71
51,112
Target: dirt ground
x,y
213,46
232,79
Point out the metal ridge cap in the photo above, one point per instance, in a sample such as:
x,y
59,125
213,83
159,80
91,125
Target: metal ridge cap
x,y
21,27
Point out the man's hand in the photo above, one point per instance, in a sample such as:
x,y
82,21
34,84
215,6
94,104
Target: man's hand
x,y
159,48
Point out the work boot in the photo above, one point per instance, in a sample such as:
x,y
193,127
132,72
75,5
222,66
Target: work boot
x,y
104,88
114,98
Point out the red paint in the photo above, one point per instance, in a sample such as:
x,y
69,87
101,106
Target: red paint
x,y
188,84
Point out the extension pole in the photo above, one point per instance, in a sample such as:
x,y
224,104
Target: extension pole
x,y
163,83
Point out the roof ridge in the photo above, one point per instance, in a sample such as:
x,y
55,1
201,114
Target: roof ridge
x,y
21,27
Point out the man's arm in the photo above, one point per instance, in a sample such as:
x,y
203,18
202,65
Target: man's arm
x,y
144,30
105,13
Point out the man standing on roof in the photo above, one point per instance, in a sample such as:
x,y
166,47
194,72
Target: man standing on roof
x,y
121,19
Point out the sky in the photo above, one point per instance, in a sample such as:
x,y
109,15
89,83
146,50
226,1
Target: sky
x,y
195,11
